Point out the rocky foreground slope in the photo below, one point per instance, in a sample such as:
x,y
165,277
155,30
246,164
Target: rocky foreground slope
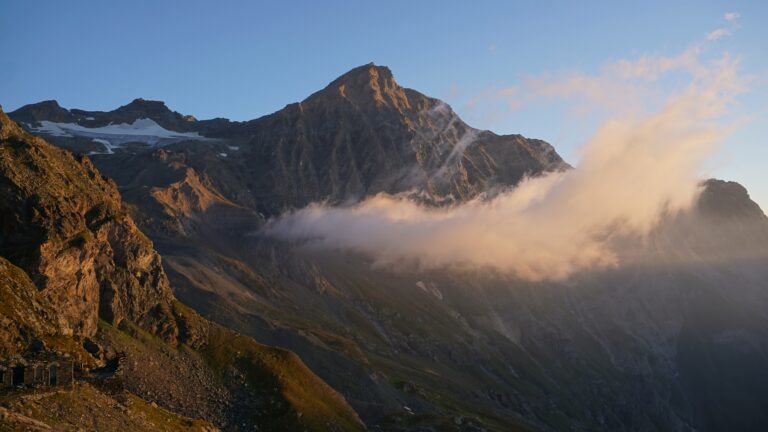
x,y
63,224
78,279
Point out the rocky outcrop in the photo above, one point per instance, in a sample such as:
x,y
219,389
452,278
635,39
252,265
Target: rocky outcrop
x,y
62,222
23,315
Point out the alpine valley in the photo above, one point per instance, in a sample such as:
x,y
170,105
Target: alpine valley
x,y
131,241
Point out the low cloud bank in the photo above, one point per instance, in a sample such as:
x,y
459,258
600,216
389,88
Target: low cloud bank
x,y
634,170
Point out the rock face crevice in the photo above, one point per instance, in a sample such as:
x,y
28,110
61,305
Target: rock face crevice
x,y
62,222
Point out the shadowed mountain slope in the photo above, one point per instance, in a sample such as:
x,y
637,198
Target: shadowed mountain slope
x,y
79,278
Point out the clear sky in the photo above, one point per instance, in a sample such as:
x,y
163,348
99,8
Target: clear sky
x,y
244,59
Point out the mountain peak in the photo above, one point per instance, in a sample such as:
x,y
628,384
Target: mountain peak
x,y
51,104
361,74
145,105
8,127
366,86
727,199
45,110
155,110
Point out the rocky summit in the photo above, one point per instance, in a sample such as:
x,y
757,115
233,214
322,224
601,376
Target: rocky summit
x,y
133,243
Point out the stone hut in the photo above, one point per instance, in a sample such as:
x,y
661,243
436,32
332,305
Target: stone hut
x,y
40,371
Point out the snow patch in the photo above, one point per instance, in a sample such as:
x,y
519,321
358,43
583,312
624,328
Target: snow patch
x,y
108,145
140,127
142,130
49,128
223,155
430,288
233,148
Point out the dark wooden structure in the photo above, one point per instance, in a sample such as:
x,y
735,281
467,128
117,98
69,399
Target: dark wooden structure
x,y
41,371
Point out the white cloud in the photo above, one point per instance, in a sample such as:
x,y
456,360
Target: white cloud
x,y
633,79
627,77
633,170
718,33
731,16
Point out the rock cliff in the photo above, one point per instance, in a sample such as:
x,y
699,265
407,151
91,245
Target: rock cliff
x,y
61,221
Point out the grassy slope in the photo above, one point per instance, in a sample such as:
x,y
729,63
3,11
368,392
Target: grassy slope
x,y
263,386
25,317
354,331
21,311
86,408
306,401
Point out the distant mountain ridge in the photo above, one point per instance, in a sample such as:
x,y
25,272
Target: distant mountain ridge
x,y
361,135
139,108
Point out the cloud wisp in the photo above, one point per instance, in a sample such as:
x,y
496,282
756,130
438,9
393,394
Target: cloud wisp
x,y
635,169
597,92
732,20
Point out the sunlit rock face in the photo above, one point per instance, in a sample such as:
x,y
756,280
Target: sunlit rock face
x,y
364,134
62,222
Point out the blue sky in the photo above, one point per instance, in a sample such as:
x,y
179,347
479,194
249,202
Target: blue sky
x,y
244,59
